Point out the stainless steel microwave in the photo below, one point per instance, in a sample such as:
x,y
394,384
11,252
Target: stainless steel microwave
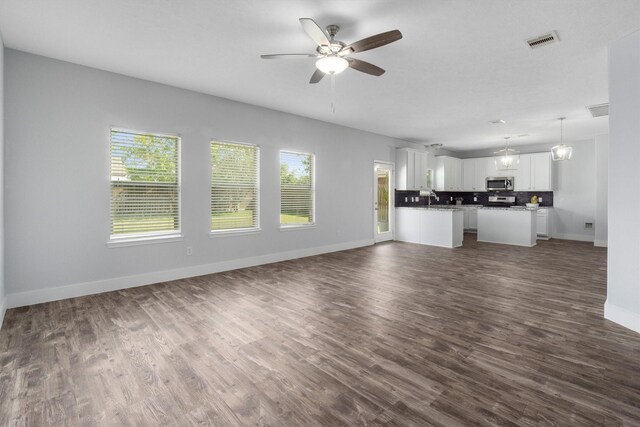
x,y
500,183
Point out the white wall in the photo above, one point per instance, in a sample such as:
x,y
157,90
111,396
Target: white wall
x,y
602,189
2,290
57,180
623,272
574,198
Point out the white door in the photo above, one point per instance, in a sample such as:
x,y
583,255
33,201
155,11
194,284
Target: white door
x,y
383,201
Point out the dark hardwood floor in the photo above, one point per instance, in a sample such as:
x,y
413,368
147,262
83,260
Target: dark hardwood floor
x,y
393,334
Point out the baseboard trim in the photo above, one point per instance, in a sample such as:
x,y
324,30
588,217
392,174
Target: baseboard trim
x,y
21,299
3,309
578,237
600,243
622,316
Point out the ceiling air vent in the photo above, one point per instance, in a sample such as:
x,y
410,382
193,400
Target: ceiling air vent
x,y
543,40
599,110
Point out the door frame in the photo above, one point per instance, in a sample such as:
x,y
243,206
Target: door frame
x,y
389,235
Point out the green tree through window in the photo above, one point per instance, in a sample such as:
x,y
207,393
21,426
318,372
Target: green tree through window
x,y
234,186
145,189
296,188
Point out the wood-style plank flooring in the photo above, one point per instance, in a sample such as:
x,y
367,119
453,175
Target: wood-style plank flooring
x,y
393,334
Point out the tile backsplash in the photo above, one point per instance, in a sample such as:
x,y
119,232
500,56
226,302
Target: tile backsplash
x,y
449,197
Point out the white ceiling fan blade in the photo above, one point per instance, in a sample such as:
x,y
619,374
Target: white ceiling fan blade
x,y
314,31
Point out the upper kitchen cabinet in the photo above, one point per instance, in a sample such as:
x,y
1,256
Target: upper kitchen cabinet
x,y
541,171
448,174
411,169
534,173
522,175
474,173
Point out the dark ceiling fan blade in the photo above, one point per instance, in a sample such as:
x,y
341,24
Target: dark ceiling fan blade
x,y
374,41
314,31
365,67
288,55
317,76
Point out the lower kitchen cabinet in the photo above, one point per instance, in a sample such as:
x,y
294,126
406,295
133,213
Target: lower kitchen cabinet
x,y
407,222
543,223
436,226
470,218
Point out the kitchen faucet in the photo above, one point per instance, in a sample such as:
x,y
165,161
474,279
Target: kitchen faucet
x,y
432,194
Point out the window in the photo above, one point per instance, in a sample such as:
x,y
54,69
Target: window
x,y
145,185
234,186
297,189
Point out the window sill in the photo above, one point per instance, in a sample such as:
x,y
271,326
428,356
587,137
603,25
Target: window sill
x,y
147,240
297,227
230,233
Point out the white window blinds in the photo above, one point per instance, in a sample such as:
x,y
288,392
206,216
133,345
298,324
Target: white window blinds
x,y
145,185
234,186
297,189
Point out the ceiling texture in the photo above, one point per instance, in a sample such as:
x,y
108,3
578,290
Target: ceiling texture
x,y
460,65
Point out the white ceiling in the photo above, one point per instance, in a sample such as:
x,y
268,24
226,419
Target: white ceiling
x,y
461,63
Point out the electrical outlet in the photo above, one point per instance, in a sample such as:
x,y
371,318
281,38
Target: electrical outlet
x,y
406,199
189,250
539,199
588,225
475,199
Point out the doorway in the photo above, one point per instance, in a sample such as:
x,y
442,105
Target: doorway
x,y
383,203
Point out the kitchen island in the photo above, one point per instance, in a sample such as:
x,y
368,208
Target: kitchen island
x,y
435,226
509,226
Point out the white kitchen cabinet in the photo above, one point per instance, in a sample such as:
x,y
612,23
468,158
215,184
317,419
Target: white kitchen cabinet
x,y
407,225
472,222
541,179
448,174
507,226
469,174
484,168
470,217
534,173
435,227
474,174
411,169
543,223
522,175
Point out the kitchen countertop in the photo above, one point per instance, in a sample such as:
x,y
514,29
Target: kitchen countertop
x,y
432,208
509,208
460,207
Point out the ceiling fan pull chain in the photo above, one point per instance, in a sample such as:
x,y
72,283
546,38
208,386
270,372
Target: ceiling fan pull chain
x,y
333,92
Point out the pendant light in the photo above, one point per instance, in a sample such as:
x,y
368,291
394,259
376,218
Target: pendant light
x,y
507,158
562,151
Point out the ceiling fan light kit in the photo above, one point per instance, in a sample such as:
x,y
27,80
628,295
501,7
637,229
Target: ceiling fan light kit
x,y
332,64
332,55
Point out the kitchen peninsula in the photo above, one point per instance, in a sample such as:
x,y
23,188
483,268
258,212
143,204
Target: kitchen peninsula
x,y
435,225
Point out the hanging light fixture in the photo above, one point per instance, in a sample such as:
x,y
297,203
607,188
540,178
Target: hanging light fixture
x,y
562,151
507,158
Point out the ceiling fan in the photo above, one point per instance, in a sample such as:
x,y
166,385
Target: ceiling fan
x,y
332,55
